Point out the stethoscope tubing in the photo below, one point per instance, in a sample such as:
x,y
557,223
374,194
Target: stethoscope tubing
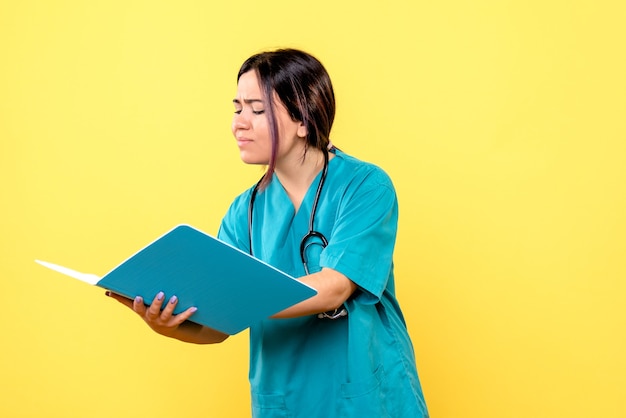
x,y
304,242
312,233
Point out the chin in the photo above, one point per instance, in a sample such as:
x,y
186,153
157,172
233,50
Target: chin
x,y
253,160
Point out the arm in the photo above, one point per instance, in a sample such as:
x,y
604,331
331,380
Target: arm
x,y
333,289
165,323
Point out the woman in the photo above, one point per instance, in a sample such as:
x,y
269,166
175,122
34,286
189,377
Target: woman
x,y
346,351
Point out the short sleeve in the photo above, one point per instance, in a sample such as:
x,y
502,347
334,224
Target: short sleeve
x,y
234,226
363,239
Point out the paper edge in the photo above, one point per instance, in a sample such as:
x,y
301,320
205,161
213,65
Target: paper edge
x,y
91,279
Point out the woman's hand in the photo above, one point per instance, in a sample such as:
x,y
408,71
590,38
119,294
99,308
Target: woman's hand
x,y
163,321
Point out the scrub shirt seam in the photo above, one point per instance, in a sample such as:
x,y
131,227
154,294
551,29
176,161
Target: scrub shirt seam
x,y
405,367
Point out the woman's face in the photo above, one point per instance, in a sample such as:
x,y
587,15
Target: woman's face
x,y
251,128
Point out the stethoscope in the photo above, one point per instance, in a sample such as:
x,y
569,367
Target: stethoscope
x,y
310,238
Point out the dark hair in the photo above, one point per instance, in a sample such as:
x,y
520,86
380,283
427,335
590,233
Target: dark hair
x,y
303,86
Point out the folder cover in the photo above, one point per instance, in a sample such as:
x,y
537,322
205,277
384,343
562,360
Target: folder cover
x,y
231,289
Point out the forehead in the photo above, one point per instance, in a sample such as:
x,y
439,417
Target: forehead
x,y
248,86
249,91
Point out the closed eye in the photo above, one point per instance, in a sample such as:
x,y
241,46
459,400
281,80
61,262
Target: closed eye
x,y
239,106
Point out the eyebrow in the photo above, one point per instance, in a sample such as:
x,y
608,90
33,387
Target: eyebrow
x,y
248,101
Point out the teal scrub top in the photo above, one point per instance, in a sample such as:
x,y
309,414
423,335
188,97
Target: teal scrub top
x,y
361,365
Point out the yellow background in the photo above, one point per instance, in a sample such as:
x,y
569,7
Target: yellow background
x,y
502,124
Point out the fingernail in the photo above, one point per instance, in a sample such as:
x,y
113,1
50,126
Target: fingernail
x,y
193,309
173,300
160,296
138,299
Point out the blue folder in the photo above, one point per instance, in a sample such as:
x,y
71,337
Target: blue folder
x,y
231,289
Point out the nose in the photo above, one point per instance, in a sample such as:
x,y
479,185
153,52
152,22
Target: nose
x,y
240,121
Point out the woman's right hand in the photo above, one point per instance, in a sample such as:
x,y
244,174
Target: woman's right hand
x,y
163,321
158,317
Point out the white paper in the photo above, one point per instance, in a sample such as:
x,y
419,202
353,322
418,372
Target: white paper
x,y
84,277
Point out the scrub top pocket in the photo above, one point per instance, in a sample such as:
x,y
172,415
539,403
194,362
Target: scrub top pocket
x,y
269,406
365,398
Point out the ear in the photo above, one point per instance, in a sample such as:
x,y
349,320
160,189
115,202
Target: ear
x,y
302,131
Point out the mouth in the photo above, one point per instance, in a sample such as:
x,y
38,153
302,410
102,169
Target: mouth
x,y
241,142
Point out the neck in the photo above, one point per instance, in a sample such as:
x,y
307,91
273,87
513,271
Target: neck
x,y
297,175
301,168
